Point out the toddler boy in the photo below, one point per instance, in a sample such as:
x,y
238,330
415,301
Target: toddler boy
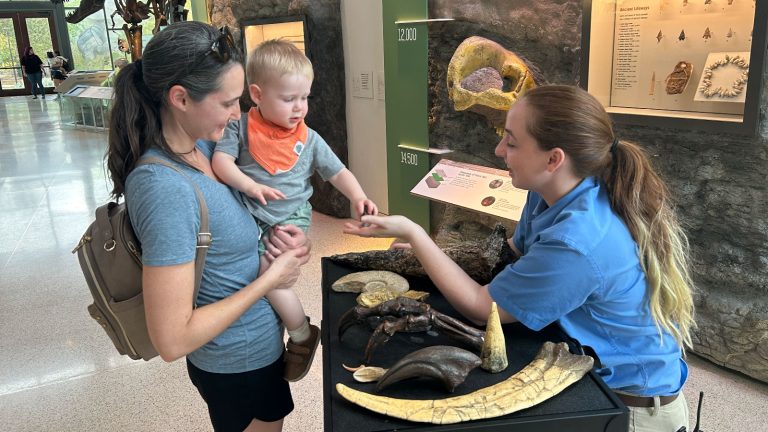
x,y
270,154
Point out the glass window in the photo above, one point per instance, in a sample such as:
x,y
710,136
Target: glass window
x,y
95,41
39,33
90,46
10,69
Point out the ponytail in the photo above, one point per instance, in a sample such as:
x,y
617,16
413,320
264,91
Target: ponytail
x,y
642,199
178,55
134,124
573,120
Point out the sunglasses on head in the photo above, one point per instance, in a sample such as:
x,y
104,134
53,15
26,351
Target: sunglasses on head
x,y
223,46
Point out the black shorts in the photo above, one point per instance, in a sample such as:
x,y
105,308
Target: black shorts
x,y
234,400
57,74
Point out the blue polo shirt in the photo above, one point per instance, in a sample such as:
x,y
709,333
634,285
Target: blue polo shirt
x,y
580,266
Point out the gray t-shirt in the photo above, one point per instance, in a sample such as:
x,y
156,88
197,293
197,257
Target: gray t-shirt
x,y
316,156
165,215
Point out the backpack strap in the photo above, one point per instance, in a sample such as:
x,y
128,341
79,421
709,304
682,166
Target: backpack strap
x,y
204,238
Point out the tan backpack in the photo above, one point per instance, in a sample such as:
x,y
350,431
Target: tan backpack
x,y
110,257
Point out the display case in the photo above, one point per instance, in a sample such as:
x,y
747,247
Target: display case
x,y
695,64
587,405
87,106
290,28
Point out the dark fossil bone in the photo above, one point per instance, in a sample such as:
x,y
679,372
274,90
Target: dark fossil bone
x,y
480,260
450,365
407,315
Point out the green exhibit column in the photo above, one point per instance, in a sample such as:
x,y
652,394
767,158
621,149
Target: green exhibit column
x,y
405,75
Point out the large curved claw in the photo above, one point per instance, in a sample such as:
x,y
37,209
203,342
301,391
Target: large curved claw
x,y
408,315
350,318
388,328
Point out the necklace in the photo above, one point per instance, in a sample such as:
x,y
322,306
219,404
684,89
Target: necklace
x,y
186,152
738,84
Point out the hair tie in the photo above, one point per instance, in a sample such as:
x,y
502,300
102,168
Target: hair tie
x,y
139,72
614,167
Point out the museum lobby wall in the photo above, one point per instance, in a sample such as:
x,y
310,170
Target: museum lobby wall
x,y
718,178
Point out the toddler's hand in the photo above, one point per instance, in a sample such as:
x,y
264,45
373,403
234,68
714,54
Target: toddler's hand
x,y
365,207
263,193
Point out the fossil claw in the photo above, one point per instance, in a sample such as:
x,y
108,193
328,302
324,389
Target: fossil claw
x,y
448,364
346,321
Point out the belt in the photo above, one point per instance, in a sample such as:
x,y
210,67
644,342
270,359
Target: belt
x,y
645,401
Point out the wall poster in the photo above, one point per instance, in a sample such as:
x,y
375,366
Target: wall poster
x,y
692,61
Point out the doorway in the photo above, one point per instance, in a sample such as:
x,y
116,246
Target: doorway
x,y
19,30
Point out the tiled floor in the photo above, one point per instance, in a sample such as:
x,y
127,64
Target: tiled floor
x,y
59,372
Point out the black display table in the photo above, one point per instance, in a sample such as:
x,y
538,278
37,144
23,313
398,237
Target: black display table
x,y
587,405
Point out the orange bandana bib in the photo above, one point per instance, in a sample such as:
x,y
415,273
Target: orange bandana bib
x,y
274,148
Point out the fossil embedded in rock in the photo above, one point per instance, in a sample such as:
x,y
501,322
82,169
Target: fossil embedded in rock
x,y
486,78
480,260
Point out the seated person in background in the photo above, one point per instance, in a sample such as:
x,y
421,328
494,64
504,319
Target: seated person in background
x,y
270,154
600,251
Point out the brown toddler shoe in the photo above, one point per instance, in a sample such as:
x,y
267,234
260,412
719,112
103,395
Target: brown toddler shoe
x,y
298,357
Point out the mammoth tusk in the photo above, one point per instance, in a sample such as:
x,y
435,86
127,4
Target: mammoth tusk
x,y
448,364
553,369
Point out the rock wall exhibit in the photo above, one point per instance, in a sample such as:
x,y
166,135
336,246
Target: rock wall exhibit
x,y
327,113
718,178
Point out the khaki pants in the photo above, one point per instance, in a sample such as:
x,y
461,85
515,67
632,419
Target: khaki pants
x,y
667,418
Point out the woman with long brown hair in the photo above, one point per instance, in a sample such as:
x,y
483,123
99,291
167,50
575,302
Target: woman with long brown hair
x,y
174,104
600,251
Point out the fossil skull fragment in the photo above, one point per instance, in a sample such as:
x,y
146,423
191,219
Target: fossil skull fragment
x,y
553,369
476,76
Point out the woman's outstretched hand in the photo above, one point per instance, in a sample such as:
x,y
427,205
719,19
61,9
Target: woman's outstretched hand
x,y
383,226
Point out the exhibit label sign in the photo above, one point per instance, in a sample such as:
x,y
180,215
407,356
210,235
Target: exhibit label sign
x,y
479,188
